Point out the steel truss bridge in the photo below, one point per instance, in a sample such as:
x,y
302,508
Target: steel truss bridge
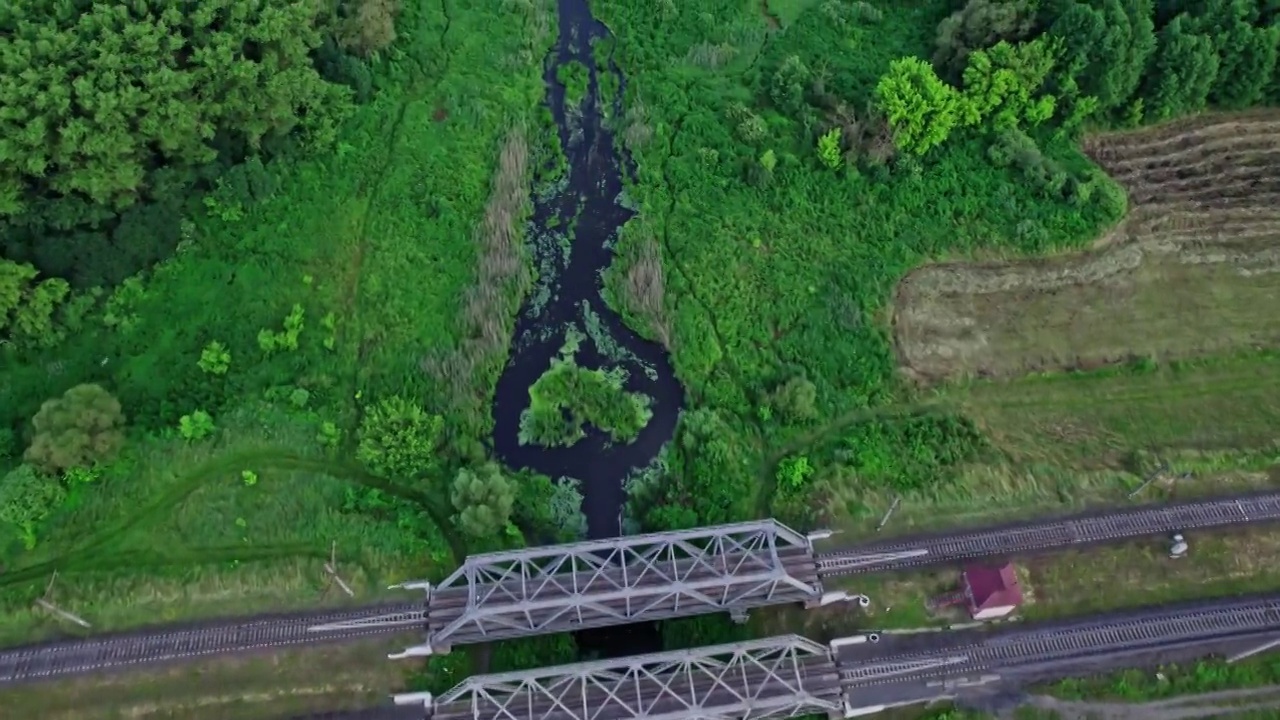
x,y
734,568
790,675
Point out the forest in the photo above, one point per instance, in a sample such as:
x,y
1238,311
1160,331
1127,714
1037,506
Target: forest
x,y
261,261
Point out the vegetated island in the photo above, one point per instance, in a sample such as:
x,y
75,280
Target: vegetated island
x,y
566,397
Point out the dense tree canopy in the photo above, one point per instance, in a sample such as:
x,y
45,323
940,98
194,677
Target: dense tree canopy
x,y
94,97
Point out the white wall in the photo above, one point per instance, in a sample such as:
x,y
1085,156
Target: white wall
x,y
994,612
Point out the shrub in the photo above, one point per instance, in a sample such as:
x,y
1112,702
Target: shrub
x,y
794,472
196,426
398,439
26,498
796,399
215,359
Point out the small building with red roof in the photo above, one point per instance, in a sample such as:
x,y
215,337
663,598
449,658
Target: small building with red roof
x,y
991,592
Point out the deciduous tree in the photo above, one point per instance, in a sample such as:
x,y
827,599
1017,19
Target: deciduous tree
x,y
796,399
1001,85
26,498
84,426
920,107
979,25
27,307
96,96
369,27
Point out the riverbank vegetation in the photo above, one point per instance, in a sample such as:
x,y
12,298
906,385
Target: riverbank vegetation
x,y
795,163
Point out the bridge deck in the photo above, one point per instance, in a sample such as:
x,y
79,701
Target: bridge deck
x,y
649,577
589,599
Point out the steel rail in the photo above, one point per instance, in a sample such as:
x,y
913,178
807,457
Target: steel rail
x,y
386,712
1037,536
42,662
1062,643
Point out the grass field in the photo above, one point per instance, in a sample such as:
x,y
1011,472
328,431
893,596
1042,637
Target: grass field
x,y
1057,438
1194,270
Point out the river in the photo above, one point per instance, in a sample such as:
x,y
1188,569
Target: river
x,y
573,283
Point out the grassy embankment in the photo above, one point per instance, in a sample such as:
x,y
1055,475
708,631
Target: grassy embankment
x,y
378,243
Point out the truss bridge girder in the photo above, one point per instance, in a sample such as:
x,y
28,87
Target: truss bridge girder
x,y
755,680
621,580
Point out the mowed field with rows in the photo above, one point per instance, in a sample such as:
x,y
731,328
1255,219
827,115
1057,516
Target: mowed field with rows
x,y
1193,271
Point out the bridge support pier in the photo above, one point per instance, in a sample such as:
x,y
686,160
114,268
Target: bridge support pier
x,y
738,615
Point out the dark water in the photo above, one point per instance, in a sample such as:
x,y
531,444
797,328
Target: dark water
x,y
574,279
573,283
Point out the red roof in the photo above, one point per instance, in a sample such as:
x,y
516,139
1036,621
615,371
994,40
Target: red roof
x,y
990,587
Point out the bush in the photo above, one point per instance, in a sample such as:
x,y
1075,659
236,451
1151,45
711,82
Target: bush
x,y
796,399
26,498
196,426
398,439
215,359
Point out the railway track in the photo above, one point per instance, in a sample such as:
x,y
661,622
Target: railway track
x,y
42,662
608,595
1039,536
1064,644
